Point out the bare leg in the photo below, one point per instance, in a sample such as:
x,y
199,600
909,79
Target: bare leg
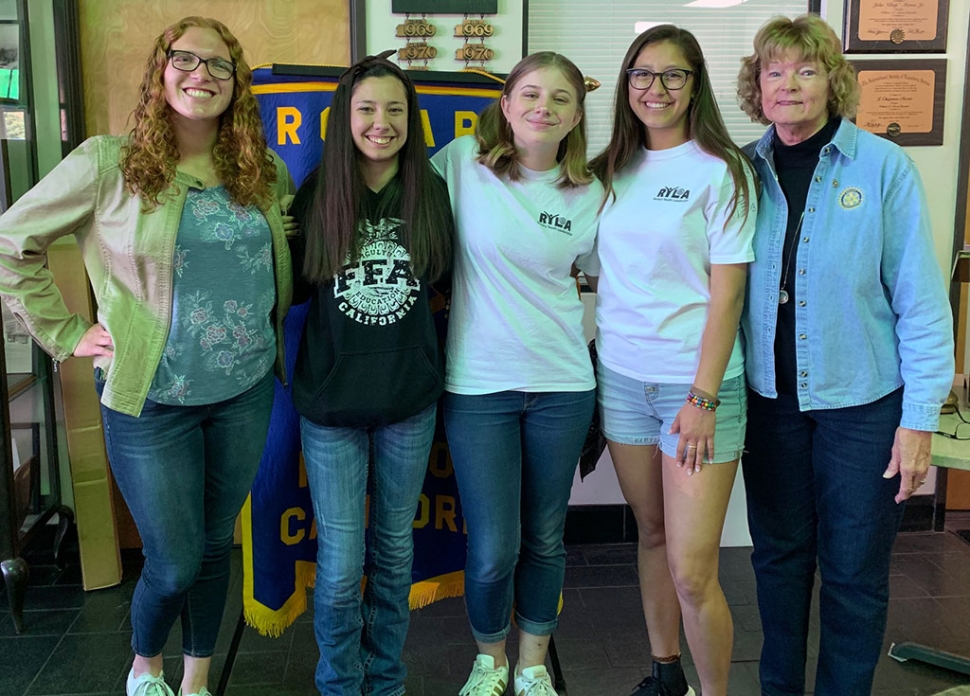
x,y
496,651
532,650
640,473
695,507
152,665
195,674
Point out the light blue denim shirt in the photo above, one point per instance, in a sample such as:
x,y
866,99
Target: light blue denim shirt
x,y
872,312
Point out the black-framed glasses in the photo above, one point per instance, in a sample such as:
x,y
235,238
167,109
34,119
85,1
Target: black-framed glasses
x,y
673,79
218,68
957,433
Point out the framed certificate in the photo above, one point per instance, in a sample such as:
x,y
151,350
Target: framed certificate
x,y
895,26
902,100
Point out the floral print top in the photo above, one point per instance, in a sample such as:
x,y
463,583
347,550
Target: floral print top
x,y
221,340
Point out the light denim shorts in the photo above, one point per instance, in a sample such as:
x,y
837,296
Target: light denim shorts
x,y
641,413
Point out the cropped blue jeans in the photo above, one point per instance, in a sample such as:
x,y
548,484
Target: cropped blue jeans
x,y
515,455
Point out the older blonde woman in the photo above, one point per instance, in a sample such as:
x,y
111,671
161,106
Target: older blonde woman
x,y
849,355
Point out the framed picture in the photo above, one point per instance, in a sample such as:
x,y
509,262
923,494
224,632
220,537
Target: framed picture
x,y
444,6
902,100
895,26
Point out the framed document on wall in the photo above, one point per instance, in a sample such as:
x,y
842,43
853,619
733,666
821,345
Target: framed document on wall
x,y
895,26
902,100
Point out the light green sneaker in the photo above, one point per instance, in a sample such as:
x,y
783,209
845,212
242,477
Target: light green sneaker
x,y
534,681
147,685
486,679
203,692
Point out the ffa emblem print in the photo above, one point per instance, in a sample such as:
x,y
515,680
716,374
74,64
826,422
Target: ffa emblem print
x,y
850,198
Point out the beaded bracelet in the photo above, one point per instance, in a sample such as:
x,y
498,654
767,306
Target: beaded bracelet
x,y
702,402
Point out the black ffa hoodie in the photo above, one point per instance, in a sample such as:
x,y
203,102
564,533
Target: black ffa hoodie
x,y
370,354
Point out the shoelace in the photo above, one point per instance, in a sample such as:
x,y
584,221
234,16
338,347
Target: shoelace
x,y
483,677
538,687
153,687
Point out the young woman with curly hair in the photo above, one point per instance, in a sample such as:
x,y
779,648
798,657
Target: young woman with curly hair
x,y
183,238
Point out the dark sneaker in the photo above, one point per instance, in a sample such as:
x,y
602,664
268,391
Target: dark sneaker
x,y
667,680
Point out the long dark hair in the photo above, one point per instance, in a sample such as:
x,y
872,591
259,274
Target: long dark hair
x,y
706,127
337,208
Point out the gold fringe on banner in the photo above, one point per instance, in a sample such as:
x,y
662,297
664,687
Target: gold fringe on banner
x,y
272,622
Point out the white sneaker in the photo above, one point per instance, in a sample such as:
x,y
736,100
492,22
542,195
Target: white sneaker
x,y
203,692
486,679
147,685
534,681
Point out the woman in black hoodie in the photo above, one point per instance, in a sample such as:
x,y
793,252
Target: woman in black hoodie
x,y
377,229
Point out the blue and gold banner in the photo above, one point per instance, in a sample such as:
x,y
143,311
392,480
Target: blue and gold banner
x,y
279,535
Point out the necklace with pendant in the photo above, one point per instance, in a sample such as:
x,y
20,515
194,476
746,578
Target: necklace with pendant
x,y
782,292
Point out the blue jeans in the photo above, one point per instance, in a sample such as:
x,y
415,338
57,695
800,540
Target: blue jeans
x,y
515,454
816,497
361,637
184,472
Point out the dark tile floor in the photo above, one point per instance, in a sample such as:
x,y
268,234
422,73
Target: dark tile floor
x,y
77,643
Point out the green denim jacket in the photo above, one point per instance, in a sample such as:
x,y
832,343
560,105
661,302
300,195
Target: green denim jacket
x,y
128,255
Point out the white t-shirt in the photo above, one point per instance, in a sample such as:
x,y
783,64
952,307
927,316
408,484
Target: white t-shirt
x,y
657,242
516,317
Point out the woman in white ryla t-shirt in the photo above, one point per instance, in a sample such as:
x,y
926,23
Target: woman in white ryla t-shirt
x,y
519,387
675,240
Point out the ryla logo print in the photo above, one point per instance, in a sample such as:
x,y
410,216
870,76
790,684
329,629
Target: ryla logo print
x,y
672,193
556,222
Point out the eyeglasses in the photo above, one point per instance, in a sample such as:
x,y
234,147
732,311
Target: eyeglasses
x,y
219,68
957,433
672,80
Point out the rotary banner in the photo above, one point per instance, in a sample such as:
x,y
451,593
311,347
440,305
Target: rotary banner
x,y
279,535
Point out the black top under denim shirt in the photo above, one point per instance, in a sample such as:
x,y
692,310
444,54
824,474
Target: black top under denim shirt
x,y
795,166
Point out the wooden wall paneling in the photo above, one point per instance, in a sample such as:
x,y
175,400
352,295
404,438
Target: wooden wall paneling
x,y
117,36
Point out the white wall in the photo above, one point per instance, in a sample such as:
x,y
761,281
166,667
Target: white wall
x,y
938,165
506,42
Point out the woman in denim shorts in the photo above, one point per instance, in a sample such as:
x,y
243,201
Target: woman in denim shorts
x,y
674,244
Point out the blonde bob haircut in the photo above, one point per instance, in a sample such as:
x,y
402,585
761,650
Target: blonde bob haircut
x,y
496,141
243,163
812,40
